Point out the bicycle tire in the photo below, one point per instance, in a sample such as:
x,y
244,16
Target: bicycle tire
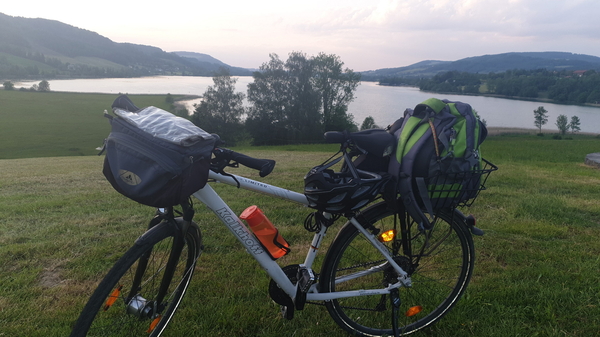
x,y
100,318
440,273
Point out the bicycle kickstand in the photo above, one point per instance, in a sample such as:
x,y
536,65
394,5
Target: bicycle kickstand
x,y
395,301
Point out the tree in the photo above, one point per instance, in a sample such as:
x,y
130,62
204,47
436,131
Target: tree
x,y
8,85
44,86
574,124
369,123
303,117
336,87
562,123
271,97
541,117
221,108
296,100
483,121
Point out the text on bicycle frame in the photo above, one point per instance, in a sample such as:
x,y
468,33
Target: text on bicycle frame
x,y
240,231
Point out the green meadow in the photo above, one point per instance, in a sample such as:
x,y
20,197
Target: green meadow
x,y
537,270
54,124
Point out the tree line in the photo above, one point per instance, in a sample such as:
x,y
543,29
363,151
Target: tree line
x,y
42,86
582,87
291,101
57,68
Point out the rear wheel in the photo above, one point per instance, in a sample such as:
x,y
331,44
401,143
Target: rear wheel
x,y
439,262
126,302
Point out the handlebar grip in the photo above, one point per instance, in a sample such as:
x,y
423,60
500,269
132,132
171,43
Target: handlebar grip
x,y
264,166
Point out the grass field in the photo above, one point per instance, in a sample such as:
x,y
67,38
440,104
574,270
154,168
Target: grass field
x,y
54,124
62,226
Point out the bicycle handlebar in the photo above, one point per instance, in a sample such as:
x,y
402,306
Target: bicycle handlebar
x,y
264,166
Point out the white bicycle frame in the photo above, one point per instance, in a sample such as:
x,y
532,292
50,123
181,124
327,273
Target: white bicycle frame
x,y
213,201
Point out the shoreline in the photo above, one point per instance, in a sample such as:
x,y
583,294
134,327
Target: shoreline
x,y
514,98
499,131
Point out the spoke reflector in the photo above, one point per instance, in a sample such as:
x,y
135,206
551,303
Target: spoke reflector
x,y
413,311
387,236
113,298
153,324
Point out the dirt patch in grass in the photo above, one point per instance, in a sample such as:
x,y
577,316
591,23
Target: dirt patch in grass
x,y
497,131
51,275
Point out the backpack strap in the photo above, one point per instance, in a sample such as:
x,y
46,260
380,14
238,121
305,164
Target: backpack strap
x,y
436,106
410,203
424,194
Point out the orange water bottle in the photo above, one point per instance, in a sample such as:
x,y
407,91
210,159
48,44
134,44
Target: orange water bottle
x,y
265,232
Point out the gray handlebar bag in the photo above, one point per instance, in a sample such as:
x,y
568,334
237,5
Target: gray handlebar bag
x,y
155,157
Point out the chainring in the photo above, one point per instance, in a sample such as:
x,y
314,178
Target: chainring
x,y
277,294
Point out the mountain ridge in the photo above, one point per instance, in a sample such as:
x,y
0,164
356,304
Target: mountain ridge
x,y
493,63
41,48
48,48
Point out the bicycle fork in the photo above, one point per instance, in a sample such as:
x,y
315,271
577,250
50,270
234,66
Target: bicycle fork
x,y
139,306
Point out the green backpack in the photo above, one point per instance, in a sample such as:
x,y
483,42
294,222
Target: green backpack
x,y
437,161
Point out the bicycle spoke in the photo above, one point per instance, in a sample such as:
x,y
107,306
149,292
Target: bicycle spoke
x,y
438,261
135,311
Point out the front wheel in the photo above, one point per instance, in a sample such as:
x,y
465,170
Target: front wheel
x,y
129,301
439,262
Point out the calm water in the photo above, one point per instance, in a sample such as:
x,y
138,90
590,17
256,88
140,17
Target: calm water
x,y
384,104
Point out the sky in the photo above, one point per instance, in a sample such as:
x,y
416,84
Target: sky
x,y
365,34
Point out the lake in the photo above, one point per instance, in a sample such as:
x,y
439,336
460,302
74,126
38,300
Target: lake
x,y
384,104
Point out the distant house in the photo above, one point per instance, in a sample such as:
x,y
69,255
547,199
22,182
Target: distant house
x,y
579,72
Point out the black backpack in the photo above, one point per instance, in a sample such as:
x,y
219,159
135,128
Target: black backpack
x,y
437,162
155,157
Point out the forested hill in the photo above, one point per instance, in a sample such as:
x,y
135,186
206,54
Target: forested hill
x,y
486,64
35,48
44,49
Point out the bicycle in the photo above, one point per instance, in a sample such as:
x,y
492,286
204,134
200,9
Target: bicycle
x,y
383,274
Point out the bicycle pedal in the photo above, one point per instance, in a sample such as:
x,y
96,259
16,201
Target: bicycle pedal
x,y
287,312
306,278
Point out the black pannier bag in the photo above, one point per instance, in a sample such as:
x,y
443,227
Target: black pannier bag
x,y
155,157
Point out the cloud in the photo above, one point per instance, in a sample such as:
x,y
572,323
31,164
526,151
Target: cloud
x,y
507,17
365,34
414,30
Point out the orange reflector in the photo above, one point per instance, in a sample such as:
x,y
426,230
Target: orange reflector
x,y
413,311
387,236
153,324
112,298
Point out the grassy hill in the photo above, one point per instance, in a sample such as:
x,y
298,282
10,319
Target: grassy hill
x,y
62,226
52,124
536,273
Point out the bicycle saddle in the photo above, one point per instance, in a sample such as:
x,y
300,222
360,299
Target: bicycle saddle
x,y
378,142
